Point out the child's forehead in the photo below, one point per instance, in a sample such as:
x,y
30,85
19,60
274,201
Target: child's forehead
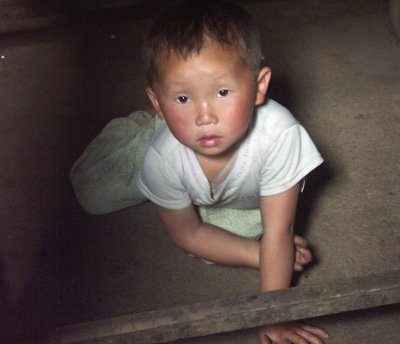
x,y
229,53
212,58
209,66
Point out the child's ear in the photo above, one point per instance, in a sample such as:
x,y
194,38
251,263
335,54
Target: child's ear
x,y
154,101
263,78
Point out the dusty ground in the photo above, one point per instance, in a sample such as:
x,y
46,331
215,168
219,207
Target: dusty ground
x,y
335,65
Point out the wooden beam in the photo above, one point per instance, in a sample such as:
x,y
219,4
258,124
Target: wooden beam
x,y
28,16
237,313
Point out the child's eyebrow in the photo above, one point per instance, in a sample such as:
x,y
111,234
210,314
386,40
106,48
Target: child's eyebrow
x,y
221,76
178,82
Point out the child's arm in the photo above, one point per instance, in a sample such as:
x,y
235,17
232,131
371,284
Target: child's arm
x,y
212,243
276,265
208,241
277,249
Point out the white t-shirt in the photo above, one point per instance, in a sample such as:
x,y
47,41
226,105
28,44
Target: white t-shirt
x,y
277,154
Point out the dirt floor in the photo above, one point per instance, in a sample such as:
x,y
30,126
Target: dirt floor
x,y
335,65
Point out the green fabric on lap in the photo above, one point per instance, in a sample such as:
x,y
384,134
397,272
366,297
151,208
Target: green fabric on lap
x,y
243,222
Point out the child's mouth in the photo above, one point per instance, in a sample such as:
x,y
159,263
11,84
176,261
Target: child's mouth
x,y
210,141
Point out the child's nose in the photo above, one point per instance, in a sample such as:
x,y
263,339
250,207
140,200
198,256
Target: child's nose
x,y
205,115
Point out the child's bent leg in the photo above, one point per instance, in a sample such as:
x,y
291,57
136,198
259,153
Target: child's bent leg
x,y
104,177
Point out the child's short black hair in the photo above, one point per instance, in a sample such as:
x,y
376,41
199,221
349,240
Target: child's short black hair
x,y
183,27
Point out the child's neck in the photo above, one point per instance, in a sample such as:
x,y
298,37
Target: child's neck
x,y
212,166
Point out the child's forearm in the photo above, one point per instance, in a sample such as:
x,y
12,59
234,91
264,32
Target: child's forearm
x,y
276,261
207,241
220,246
274,255
277,249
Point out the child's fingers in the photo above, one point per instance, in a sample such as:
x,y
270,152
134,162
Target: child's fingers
x,y
315,330
298,267
263,339
300,241
310,337
298,338
303,256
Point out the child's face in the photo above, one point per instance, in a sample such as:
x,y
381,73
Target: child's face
x,y
208,99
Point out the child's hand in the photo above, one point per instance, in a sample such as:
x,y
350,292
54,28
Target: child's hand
x,y
303,253
291,332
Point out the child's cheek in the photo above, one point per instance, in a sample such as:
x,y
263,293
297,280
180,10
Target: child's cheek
x,y
179,125
181,133
240,117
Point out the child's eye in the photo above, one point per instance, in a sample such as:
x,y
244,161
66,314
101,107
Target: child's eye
x,y
223,93
182,100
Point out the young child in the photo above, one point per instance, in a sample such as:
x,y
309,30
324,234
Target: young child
x,y
224,151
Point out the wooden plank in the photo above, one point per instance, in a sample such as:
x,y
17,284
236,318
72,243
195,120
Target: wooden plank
x,y
237,313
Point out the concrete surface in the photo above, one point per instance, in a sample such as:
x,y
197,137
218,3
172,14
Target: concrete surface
x,y
335,65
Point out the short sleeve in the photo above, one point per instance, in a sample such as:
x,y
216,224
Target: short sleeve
x,y
160,183
291,157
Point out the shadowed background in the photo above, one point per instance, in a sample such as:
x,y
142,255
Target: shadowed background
x,y
65,74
